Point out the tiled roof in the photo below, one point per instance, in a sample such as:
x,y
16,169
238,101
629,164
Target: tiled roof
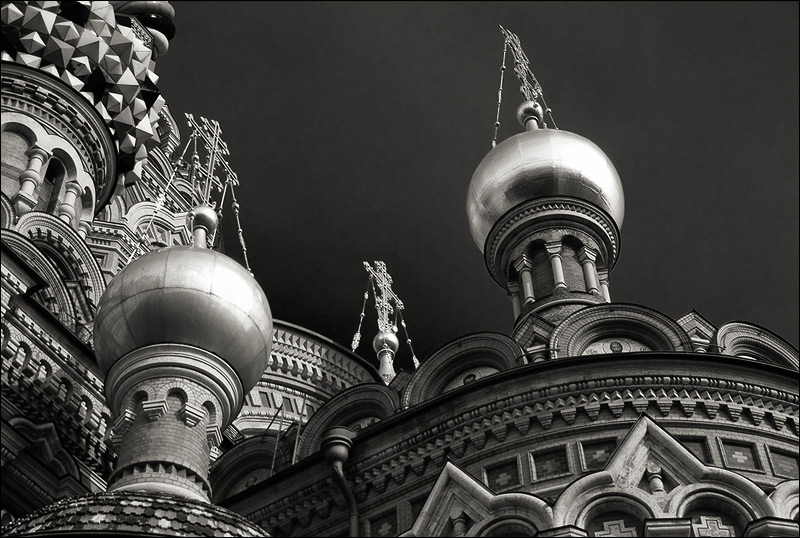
x,y
128,512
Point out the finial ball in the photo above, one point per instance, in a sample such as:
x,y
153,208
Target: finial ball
x,y
529,110
204,216
385,339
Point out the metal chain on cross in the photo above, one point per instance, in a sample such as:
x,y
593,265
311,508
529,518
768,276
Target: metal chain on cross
x,y
531,89
205,179
159,204
386,303
357,336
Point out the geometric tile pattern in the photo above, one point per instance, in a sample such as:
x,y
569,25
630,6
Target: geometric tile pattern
x,y
551,463
384,524
596,453
711,526
503,475
135,512
784,463
616,528
81,43
740,455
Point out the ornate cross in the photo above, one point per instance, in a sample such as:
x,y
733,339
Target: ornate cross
x,y
384,299
210,133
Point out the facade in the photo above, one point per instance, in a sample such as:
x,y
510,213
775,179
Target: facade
x,y
146,386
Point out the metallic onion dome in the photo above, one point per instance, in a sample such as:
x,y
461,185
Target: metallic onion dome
x,y
187,295
540,163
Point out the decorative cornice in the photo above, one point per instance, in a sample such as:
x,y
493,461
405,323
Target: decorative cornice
x,y
681,395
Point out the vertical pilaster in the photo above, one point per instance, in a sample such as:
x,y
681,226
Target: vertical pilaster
x,y
554,251
523,266
30,180
602,276
587,258
513,294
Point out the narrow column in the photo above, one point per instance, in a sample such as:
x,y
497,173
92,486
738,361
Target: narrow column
x,y
603,277
523,267
84,228
587,257
513,294
30,179
554,250
459,521
66,210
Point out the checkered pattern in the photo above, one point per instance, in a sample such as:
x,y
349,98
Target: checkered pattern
x,y
551,463
503,475
740,455
597,453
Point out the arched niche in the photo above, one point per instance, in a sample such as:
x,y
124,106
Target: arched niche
x,y
452,366
636,325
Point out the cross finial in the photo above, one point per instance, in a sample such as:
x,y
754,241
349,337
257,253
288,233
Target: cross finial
x,y
531,89
210,134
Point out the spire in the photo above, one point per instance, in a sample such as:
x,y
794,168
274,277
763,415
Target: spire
x,y
387,303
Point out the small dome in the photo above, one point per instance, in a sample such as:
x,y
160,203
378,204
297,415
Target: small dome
x,y
537,164
186,295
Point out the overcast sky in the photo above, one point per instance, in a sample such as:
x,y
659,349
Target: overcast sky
x,y
355,129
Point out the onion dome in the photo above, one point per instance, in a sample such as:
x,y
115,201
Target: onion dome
x,y
132,513
540,163
186,295
156,16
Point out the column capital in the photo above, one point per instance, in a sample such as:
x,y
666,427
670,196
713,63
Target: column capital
x,y
553,248
586,254
523,263
38,151
73,187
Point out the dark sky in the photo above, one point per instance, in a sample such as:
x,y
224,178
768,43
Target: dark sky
x,y
355,129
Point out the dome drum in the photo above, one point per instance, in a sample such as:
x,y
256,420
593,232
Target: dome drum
x,y
168,361
552,217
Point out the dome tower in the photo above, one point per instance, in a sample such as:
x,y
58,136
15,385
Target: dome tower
x,y
181,335
545,207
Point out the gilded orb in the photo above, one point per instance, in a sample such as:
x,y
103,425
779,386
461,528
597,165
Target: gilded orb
x,y
385,339
205,217
537,164
186,295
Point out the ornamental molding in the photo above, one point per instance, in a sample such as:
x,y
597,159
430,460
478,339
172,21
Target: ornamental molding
x,y
161,468
696,397
44,228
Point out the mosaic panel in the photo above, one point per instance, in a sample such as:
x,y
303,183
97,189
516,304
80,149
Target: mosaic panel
x,y
740,455
711,526
784,463
503,475
597,453
550,463
384,524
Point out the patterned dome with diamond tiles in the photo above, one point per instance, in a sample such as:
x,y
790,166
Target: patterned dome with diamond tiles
x,y
101,56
